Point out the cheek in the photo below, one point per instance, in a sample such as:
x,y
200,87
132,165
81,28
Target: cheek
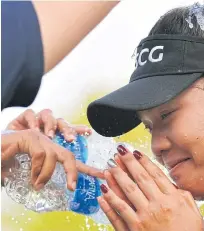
x,y
187,134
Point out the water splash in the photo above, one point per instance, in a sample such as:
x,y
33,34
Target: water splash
x,y
196,10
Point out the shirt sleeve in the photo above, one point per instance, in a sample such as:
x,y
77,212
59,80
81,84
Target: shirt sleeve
x,y
22,54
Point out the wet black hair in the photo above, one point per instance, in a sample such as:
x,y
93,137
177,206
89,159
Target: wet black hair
x,y
175,22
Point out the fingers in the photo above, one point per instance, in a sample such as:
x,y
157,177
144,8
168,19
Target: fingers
x,y
82,130
122,165
36,167
89,170
112,183
68,131
114,218
130,189
43,161
162,181
145,182
25,120
67,159
120,206
189,200
47,122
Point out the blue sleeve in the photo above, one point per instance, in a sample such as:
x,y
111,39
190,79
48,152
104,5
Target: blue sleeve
x,y
21,52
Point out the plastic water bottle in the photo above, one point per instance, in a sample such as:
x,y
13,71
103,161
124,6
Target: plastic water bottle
x,y
94,151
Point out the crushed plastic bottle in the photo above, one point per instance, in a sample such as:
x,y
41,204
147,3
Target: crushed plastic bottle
x,y
94,151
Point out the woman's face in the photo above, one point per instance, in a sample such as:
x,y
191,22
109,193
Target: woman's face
x,y
177,129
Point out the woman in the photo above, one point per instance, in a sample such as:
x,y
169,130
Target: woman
x,y
166,93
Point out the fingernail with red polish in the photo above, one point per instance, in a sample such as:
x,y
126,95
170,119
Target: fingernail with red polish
x,y
104,189
122,150
137,154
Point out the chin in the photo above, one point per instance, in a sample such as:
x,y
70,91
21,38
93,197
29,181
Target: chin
x,y
195,187
190,178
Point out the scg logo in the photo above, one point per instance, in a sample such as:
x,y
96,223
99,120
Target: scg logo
x,y
141,62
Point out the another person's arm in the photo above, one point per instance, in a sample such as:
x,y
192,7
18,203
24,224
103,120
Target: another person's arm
x,y
36,36
64,24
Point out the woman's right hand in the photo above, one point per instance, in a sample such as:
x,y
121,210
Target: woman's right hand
x,y
44,154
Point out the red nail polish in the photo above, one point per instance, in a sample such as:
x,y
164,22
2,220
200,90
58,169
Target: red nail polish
x,y
122,150
104,189
137,154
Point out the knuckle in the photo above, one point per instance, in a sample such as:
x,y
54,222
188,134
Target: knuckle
x,y
45,114
64,155
156,174
141,225
47,110
130,188
33,134
113,218
36,169
141,177
60,120
186,194
39,154
11,126
166,209
29,111
121,207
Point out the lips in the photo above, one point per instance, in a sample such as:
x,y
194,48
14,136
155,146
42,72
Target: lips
x,y
171,164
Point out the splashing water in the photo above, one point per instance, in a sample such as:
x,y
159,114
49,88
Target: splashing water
x,y
196,10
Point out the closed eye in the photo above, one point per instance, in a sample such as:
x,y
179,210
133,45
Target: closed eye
x,y
165,115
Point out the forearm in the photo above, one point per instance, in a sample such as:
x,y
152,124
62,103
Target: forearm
x,y
64,24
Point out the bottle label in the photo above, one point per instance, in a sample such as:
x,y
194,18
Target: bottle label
x,y
79,147
85,195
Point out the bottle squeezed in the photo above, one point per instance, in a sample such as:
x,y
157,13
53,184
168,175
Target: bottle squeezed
x,y
55,196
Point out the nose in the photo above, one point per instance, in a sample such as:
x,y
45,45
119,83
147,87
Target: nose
x,y
160,144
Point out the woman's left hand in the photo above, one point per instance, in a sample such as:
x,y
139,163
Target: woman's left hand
x,y
153,203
